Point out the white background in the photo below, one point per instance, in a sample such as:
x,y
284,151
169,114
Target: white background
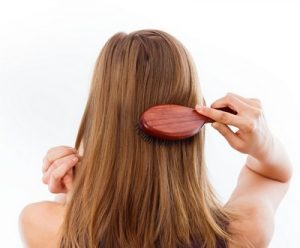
x,y
47,55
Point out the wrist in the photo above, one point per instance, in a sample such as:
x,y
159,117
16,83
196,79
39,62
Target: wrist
x,y
265,153
274,164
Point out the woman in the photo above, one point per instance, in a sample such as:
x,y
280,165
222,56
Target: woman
x,y
121,191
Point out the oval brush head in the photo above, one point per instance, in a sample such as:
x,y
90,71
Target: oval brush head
x,y
171,122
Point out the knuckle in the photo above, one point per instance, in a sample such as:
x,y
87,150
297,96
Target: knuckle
x,y
50,150
56,163
44,179
239,146
257,101
54,149
224,117
48,159
45,159
230,97
250,126
257,112
229,94
55,175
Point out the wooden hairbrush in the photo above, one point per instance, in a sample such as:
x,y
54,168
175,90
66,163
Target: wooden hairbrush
x,y
171,122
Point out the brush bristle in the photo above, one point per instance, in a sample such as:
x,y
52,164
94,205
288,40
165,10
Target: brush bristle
x,y
151,139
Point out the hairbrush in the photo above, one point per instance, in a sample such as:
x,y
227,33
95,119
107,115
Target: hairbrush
x,y
169,123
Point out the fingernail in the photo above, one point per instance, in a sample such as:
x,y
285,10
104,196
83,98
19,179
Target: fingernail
x,y
75,159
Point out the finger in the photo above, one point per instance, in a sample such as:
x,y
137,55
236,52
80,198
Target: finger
x,y
54,165
223,117
70,160
46,175
55,183
56,153
251,101
59,148
231,101
233,140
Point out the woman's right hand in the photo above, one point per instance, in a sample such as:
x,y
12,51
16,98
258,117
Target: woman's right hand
x,y
253,137
58,168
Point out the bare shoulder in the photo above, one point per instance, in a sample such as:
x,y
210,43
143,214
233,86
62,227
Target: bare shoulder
x,y
39,224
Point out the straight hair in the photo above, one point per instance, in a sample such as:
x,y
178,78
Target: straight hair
x,y
128,192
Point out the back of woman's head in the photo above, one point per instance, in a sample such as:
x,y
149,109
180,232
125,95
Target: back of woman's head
x,y
128,192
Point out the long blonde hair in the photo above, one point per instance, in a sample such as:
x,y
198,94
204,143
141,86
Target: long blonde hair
x,y
128,192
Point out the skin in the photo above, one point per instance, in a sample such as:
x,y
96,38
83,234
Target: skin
x,y
261,186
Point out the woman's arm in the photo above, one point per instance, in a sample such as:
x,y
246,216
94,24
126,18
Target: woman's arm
x,y
264,180
262,184
258,195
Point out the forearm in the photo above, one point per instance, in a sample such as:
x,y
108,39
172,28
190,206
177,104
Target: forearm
x,y
275,165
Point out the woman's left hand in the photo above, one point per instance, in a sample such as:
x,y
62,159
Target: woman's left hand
x,y
58,168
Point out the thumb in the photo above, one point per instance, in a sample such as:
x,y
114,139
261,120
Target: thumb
x,y
68,180
228,134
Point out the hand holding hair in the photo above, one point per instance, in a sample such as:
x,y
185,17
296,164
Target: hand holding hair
x,y
58,168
